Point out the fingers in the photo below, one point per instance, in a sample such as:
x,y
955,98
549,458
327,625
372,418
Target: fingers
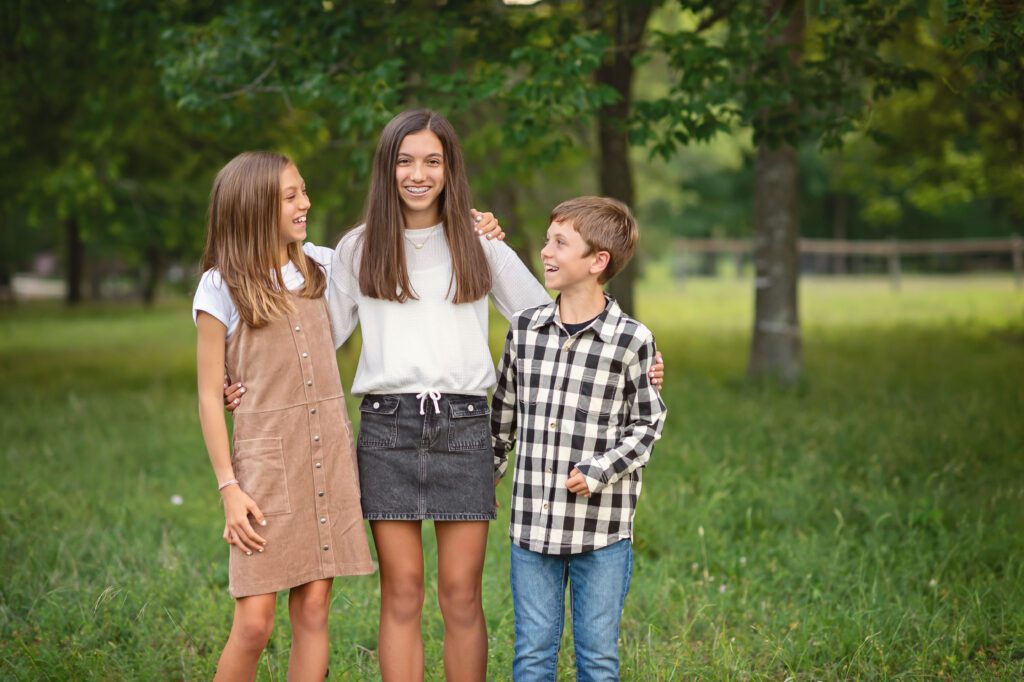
x,y
487,224
248,539
577,484
233,396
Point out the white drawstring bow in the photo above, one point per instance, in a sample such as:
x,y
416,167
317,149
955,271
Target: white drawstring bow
x,y
433,395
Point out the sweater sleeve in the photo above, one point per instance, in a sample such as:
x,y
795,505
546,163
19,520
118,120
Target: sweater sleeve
x,y
513,286
343,301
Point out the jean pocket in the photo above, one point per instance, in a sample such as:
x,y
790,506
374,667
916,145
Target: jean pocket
x,y
378,425
469,424
261,473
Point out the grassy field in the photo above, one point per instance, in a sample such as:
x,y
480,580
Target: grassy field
x,y
868,524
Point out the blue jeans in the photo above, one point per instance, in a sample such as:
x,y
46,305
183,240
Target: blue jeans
x,y
598,583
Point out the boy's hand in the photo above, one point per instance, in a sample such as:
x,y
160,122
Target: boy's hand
x,y
237,530
232,394
487,225
656,372
577,484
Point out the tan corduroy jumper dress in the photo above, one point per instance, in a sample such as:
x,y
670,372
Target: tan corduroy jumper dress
x,y
292,453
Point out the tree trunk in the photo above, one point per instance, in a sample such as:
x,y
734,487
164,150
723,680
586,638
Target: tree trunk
x,y
153,274
776,348
624,23
75,261
505,206
7,264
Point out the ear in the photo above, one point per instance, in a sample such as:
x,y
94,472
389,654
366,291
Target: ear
x,y
601,261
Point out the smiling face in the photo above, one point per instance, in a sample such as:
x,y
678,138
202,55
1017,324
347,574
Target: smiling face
x,y
566,259
419,172
294,206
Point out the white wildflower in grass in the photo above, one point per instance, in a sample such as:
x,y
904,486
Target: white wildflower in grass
x,y
722,588
743,561
177,500
933,583
694,567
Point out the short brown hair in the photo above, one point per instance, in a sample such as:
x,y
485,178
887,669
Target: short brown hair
x,y
605,225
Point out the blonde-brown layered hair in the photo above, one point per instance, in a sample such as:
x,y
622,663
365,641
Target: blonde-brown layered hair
x,y
243,239
383,272
605,225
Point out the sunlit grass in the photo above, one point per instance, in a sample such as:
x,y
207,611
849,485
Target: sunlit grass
x,y
865,524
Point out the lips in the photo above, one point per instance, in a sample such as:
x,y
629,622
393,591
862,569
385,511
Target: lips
x,y
417,191
301,220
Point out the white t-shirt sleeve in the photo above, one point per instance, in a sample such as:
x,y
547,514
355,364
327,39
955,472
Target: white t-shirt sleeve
x,y
321,254
513,286
212,296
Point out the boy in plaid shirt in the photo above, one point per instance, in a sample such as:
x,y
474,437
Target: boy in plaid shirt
x,y
574,391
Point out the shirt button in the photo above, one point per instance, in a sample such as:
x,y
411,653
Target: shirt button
x,y
566,346
376,406
309,382
305,355
553,425
320,493
470,408
549,470
298,328
313,411
318,465
323,519
545,505
326,547
316,438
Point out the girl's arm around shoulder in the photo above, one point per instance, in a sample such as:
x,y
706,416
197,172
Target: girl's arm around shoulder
x,y
513,286
343,289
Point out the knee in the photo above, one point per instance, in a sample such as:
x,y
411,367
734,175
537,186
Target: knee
x,y
253,630
403,599
310,611
460,604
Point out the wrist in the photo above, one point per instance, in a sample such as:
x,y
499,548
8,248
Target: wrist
x,y
221,487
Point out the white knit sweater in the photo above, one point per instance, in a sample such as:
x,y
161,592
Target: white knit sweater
x,y
428,343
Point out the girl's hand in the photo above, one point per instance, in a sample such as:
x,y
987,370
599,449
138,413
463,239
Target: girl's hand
x,y
237,530
232,394
656,372
487,225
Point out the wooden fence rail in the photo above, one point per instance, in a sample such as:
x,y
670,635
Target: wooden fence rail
x,y
890,249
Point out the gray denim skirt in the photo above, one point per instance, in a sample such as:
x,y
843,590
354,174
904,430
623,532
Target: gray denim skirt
x,y
436,465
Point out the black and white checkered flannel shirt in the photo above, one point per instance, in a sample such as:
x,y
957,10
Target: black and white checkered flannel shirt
x,y
582,401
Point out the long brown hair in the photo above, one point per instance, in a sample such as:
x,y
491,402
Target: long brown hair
x,y
243,238
383,272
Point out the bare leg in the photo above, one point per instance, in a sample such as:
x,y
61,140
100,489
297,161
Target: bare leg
x,y
460,565
400,641
250,630
308,606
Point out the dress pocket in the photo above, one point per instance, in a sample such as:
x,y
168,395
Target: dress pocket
x,y
469,424
260,470
378,425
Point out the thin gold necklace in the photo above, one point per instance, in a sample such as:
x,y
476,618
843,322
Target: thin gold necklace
x,y
419,245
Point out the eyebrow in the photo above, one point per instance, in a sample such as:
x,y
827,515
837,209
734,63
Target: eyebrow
x,y
428,156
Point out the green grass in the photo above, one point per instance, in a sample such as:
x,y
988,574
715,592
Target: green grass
x,y
866,524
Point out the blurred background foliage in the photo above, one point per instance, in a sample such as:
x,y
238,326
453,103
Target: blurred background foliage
x,y
905,114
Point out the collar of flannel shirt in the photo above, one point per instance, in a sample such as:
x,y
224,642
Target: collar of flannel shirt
x,y
604,326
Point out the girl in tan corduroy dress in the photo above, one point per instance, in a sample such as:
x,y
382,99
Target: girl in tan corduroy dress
x,y
289,483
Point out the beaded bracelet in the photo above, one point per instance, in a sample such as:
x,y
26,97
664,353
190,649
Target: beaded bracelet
x,y
225,484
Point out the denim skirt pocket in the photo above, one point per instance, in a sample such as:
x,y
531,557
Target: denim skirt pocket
x,y
378,425
469,424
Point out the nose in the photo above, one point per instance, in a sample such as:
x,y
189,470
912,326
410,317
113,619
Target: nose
x,y
545,250
417,172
